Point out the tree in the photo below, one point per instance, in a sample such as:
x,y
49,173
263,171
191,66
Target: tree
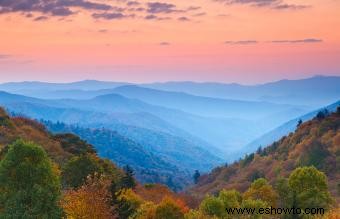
x,y
310,188
89,201
78,168
286,197
197,175
254,204
128,181
322,114
299,123
29,183
230,198
212,206
260,189
127,203
338,110
169,209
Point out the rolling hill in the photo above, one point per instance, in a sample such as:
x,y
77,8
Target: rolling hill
x,y
286,128
315,142
148,166
316,91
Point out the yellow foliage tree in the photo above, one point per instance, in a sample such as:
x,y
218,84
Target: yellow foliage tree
x,y
89,201
260,189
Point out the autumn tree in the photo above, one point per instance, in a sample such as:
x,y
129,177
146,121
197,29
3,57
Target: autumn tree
x,y
89,201
310,188
127,203
260,189
29,183
169,209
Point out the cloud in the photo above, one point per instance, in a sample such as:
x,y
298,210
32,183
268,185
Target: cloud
x,y
183,19
200,14
273,4
99,9
290,7
160,7
103,31
50,7
41,18
154,17
132,3
193,8
242,42
110,16
308,40
164,44
4,56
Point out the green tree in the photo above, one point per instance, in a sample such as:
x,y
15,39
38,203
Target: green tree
x,y
212,206
310,188
286,197
230,198
257,204
128,181
29,183
260,189
78,168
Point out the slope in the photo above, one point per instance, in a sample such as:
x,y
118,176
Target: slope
x,y
315,142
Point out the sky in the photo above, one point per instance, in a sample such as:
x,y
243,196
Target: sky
x,y
244,41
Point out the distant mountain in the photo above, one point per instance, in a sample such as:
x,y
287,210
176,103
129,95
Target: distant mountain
x,y
204,106
225,134
314,143
285,129
315,91
29,86
149,167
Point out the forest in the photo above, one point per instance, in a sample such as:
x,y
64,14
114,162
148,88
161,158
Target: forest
x,y
45,175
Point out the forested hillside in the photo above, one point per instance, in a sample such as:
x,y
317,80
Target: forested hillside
x,y
314,143
60,176
123,151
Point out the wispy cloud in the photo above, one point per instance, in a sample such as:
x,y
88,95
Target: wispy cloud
x,y
51,7
308,40
164,44
4,56
40,10
241,42
273,4
183,19
41,18
160,7
110,16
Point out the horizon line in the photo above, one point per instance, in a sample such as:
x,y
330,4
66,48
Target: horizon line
x,y
169,81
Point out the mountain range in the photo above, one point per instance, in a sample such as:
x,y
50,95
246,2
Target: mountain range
x,y
179,126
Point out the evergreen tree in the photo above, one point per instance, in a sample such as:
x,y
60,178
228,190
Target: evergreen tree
x,y
299,123
128,181
197,176
29,183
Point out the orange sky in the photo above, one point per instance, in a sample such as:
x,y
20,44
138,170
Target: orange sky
x,y
200,40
